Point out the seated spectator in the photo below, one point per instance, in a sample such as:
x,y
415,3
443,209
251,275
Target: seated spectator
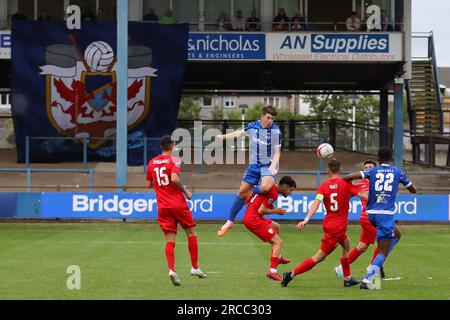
x,y
253,23
43,16
19,16
298,22
222,23
353,23
386,24
238,23
168,18
100,16
151,16
88,15
281,21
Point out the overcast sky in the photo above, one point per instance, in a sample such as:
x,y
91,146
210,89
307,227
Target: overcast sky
x,y
432,15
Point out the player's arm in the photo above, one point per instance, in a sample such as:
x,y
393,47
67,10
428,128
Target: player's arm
x,y
354,176
275,160
407,183
232,135
175,177
364,195
312,210
263,210
412,188
149,184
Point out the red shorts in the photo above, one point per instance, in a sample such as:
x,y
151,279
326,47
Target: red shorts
x,y
369,232
169,218
331,240
261,227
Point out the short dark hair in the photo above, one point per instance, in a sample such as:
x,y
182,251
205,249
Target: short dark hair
x,y
334,166
166,142
353,13
370,162
287,180
384,154
269,109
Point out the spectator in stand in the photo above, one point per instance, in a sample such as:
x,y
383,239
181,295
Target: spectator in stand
x,y
222,23
353,23
87,15
253,23
298,22
19,16
100,16
168,18
43,16
281,21
238,23
386,23
151,16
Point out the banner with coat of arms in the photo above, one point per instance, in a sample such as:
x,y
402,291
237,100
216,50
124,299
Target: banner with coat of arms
x,y
64,85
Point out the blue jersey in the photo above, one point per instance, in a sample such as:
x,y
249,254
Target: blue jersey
x,y
263,142
384,181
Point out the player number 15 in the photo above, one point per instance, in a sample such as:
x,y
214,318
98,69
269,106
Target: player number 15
x,y
161,176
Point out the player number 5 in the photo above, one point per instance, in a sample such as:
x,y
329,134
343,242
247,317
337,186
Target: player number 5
x,y
334,203
161,176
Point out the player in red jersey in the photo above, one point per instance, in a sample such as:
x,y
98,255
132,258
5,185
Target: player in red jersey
x,y
335,194
369,232
266,229
163,173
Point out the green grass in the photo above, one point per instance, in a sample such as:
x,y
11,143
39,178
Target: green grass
x,y
126,261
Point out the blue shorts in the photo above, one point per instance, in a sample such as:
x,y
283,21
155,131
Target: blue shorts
x,y
255,172
385,224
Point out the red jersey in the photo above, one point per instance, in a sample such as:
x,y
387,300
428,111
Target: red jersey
x,y
336,194
267,199
364,185
159,171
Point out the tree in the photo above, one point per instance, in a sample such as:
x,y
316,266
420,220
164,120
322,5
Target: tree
x,y
217,113
189,108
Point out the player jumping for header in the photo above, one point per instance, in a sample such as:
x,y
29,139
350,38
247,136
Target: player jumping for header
x,y
163,173
265,152
335,194
384,182
266,229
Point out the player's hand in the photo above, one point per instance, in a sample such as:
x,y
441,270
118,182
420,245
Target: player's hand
x,y
273,171
301,225
280,211
188,195
220,137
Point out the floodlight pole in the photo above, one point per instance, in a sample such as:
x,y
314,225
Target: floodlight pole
x,y
122,98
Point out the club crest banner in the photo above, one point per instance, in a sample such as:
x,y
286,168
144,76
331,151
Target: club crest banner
x,y
64,85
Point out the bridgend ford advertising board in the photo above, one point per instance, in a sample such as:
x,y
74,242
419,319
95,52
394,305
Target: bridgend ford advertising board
x,y
215,206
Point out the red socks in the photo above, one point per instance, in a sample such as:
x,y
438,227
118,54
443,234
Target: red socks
x,y
274,262
306,265
353,255
193,250
345,263
170,255
375,253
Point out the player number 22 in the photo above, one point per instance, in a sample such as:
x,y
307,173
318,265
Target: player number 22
x,y
161,176
386,179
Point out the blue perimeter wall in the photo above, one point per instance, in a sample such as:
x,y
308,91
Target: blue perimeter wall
x,y
112,205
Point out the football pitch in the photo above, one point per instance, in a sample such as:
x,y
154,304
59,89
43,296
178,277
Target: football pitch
x,y
126,261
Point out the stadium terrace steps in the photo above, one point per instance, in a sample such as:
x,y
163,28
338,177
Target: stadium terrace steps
x,y
425,110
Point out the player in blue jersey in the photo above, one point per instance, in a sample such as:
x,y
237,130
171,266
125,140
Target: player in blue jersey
x,y
265,151
384,182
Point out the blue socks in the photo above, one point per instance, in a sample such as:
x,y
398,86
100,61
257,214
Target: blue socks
x,y
376,265
257,189
238,203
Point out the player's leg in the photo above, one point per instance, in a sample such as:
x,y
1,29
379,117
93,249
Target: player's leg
x,y
345,263
352,256
385,233
267,181
303,267
237,205
277,228
193,252
276,243
170,256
